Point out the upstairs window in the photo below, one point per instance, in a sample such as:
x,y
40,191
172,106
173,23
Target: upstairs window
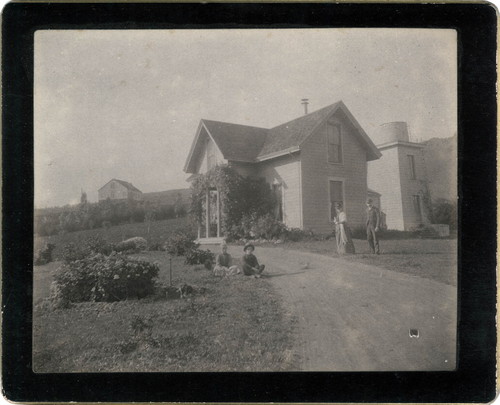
x,y
334,143
411,163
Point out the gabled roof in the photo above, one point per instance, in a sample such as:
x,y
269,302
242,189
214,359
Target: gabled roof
x,y
245,143
237,142
294,132
128,185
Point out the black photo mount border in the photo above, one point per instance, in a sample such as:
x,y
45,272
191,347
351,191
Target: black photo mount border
x,y
474,378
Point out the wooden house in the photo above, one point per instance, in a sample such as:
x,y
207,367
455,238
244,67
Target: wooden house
x,y
310,163
119,190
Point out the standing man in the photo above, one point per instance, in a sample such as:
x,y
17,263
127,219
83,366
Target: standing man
x,y
372,226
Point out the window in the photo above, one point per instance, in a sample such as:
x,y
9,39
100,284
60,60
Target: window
x,y
334,143
417,207
278,198
411,162
336,196
210,155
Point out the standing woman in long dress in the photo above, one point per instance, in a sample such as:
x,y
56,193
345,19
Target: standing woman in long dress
x,y
343,234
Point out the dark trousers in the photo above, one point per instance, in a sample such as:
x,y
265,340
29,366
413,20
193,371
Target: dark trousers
x,y
372,237
249,270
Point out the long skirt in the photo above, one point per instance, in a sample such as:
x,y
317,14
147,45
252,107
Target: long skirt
x,y
343,237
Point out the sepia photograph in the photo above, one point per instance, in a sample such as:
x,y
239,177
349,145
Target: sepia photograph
x,y
245,200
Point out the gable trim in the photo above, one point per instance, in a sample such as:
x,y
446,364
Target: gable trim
x,y
278,154
368,142
195,142
193,145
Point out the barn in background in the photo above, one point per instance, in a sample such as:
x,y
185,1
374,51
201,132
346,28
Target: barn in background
x,y
119,190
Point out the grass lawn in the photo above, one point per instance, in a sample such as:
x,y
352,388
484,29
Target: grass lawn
x,y
236,324
430,258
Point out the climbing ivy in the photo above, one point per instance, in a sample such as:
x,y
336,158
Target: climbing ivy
x,y
238,196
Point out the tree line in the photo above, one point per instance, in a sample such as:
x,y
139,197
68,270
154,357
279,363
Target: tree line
x,y
105,213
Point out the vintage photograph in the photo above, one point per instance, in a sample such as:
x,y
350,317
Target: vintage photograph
x,y
220,200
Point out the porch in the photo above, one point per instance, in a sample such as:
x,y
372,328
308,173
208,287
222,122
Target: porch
x,y
209,232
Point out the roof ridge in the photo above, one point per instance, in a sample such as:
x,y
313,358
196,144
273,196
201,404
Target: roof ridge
x,y
232,123
308,115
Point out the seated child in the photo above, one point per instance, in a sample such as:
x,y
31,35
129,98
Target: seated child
x,y
250,264
223,262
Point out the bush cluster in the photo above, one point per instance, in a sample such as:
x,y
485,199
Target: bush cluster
x,y
180,243
198,256
90,246
134,245
44,256
103,278
445,212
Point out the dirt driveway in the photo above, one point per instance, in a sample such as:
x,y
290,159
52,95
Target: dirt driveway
x,y
356,317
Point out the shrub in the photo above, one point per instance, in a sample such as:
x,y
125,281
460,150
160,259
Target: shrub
x,y
198,256
156,246
296,234
245,229
44,256
268,227
180,243
90,246
425,232
72,252
136,244
103,278
96,244
444,212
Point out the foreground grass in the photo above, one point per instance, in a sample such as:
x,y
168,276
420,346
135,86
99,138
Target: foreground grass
x,y
435,259
236,324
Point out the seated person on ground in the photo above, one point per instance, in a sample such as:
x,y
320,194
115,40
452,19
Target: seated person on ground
x,y
251,266
223,263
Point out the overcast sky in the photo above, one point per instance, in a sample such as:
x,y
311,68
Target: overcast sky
x,y
126,104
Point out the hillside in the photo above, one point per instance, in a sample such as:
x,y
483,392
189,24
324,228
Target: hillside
x,y
441,164
169,197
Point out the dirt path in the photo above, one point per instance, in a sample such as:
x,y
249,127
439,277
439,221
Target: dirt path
x,y
356,317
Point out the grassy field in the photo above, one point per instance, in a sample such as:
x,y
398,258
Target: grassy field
x,y
236,324
159,231
430,258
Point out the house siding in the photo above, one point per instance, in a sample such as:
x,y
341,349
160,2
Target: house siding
x,y
391,176
317,172
411,187
202,159
285,171
384,177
